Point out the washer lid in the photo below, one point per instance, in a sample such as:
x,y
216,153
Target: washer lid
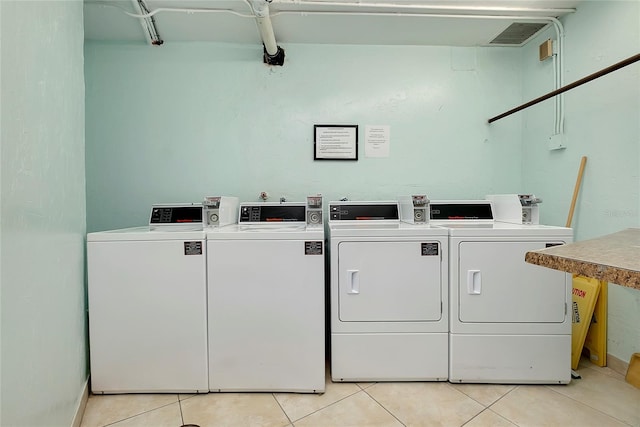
x,y
268,232
145,234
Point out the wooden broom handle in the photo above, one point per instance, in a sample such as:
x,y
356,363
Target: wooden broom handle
x,y
576,190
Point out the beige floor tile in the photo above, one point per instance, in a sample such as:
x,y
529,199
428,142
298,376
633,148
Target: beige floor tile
x,y
357,410
488,418
106,409
167,416
539,406
605,393
586,364
185,396
364,386
300,405
233,409
425,404
485,394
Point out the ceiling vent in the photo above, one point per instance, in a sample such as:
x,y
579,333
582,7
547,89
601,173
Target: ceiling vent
x,y
518,33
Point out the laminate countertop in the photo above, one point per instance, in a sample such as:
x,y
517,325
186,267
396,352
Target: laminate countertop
x,y
614,258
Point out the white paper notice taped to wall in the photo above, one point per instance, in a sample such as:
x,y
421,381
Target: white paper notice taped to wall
x,y
376,141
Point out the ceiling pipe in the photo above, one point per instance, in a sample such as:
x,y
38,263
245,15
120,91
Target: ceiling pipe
x,y
273,54
148,24
433,8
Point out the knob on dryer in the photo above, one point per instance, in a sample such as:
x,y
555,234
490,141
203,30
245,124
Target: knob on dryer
x,y
314,217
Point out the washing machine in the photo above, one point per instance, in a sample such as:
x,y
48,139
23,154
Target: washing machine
x,y
266,304
147,305
388,294
510,322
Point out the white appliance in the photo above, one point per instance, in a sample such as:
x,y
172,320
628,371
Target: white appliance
x,y
266,310
510,321
147,305
388,295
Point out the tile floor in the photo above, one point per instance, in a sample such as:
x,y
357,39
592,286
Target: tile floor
x,y
600,398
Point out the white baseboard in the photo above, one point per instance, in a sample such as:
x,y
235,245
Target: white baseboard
x,y
82,404
617,365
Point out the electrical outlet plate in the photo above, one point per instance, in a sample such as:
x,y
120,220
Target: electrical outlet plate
x,y
557,142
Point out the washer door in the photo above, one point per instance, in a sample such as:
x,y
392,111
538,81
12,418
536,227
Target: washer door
x,y
266,315
496,285
389,281
147,304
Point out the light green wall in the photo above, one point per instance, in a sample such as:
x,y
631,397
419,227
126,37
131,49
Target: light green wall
x,y
182,121
603,123
43,213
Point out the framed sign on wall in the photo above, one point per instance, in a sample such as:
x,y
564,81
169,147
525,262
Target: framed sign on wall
x,y
335,142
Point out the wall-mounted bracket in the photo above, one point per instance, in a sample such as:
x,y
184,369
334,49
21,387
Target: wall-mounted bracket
x,y
557,142
277,59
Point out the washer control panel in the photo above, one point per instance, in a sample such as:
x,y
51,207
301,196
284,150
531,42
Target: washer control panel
x,y
475,210
272,213
187,214
354,211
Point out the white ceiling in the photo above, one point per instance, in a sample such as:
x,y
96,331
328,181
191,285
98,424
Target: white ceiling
x,y
375,22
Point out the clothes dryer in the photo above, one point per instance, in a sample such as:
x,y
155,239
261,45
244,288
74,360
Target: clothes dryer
x,y
147,305
510,322
389,295
266,312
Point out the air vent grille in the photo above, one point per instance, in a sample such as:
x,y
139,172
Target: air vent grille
x,y
517,33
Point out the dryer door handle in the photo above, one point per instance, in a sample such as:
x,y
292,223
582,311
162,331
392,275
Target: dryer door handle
x,y
354,282
474,282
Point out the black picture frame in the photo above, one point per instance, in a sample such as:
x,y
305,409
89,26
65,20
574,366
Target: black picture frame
x,y
335,142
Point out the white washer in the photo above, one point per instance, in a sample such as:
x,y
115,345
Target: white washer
x,y
147,306
510,321
388,295
266,302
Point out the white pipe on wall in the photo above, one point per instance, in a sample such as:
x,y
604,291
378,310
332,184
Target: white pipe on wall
x,y
559,72
261,10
